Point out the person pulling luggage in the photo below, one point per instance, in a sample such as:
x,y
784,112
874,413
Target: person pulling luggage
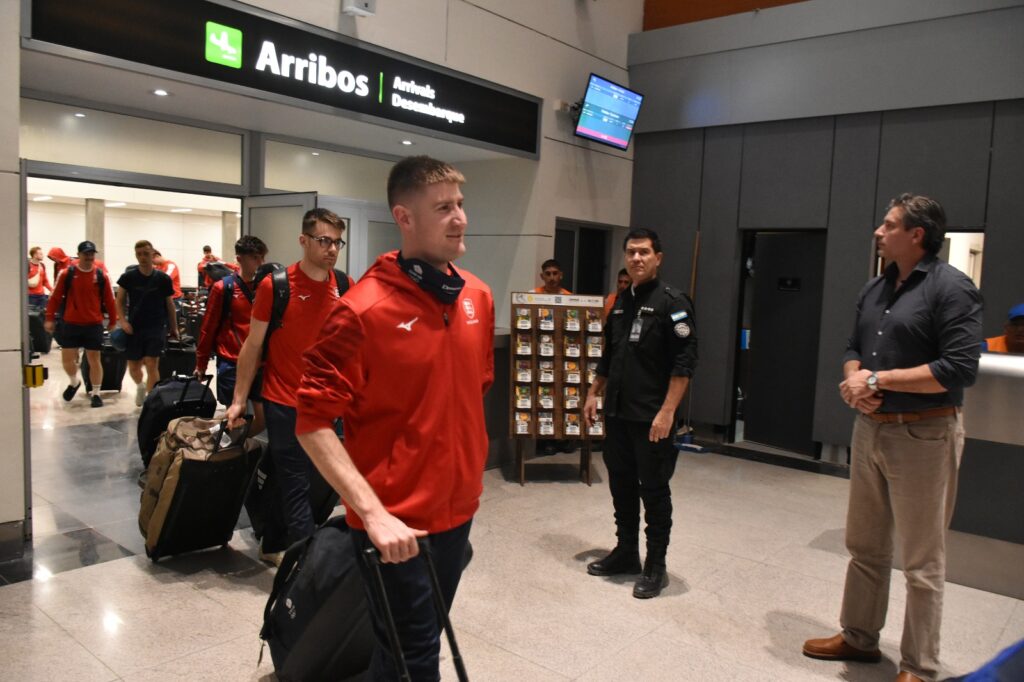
x,y
406,358
226,326
312,291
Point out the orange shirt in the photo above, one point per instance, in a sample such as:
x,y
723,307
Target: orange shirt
x,y
609,303
540,290
997,344
44,283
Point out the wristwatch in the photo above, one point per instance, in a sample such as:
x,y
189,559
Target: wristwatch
x,y
873,381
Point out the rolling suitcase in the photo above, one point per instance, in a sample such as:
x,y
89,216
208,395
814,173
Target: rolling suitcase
x,y
41,340
173,397
177,358
194,488
115,364
263,505
316,621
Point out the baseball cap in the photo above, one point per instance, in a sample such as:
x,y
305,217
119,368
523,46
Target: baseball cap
x,y
1016,311
86,246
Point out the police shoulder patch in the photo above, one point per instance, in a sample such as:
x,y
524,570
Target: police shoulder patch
x,y
682,330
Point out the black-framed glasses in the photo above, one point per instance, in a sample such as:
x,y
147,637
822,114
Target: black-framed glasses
x,y
326,241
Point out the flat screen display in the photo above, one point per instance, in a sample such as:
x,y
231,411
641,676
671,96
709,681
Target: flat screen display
x,y
608,113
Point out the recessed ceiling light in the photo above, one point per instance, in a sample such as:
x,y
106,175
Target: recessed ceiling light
x,y
181,210
45,197
316,153
160,92
407,142
115,204
79,114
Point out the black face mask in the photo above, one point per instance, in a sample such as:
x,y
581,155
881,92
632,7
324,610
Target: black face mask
x,y
445,287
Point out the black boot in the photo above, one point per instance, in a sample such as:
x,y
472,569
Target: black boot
x,y
622,559
653,580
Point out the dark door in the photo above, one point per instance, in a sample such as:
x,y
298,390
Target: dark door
x,y
565,254
592,262
785,319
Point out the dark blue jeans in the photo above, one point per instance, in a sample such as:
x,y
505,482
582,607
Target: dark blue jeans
x,y
410,595
292,468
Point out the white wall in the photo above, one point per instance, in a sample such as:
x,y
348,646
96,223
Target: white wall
x,y
52,132
293,168
12,395
179,236
543,48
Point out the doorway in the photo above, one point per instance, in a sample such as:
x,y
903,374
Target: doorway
x,y
582,249
782,278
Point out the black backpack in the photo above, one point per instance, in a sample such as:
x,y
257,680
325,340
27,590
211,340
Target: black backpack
x,y
217,270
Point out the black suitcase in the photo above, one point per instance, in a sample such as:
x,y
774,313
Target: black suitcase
x,y
173,397
317,622
263,506
177,358
41,340
205,499
115,364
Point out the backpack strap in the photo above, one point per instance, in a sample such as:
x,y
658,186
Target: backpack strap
x,y
341,280
228,295
282,293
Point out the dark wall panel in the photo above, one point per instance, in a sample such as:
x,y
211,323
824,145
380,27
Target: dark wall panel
x,y
786,174
848,259
718,275
666,197
941,152
1002,275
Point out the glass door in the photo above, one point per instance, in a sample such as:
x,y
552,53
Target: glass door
x,y
277,220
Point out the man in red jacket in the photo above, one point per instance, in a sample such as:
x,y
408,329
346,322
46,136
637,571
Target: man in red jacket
x,y
225,330
173,271
313,292
405,358
81,306
38,283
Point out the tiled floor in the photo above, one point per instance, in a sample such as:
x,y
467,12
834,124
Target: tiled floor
x,y
756,564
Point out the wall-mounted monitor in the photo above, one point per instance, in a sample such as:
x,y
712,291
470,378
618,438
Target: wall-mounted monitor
x,y
608,113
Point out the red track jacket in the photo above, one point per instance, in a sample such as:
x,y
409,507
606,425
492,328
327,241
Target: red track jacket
x,y
226,341
410,385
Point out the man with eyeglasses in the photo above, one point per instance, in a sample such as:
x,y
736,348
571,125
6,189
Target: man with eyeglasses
x,y
313,291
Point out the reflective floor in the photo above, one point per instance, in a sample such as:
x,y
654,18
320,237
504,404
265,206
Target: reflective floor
x,y
756,566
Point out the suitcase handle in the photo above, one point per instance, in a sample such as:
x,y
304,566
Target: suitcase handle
x,y
372,557
189,378
234,441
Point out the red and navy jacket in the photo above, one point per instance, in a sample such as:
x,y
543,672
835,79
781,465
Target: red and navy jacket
x,y
224,334
408,374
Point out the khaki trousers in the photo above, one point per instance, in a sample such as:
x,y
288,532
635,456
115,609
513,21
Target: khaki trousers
x,y
902,478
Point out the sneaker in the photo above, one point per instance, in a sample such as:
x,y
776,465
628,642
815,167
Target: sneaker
x,y
70,392
274,558
140,394
96,400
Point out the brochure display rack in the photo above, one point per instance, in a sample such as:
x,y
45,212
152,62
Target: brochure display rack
x,y
556,343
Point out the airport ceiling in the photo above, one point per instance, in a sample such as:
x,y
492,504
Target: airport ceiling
x,y
97,85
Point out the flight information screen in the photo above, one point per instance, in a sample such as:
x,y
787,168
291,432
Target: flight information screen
x,y
608,113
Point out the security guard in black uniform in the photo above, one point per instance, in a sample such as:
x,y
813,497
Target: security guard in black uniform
x,y
650,353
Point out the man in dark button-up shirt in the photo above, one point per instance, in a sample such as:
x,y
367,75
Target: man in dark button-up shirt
x,y
915,346
650,353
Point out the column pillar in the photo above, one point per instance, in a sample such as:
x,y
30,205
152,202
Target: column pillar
x,y
95,224
229,235
14,485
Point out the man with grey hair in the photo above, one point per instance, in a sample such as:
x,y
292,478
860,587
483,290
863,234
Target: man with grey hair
x,y
915,347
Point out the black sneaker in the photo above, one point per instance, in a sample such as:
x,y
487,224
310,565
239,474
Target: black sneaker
x,y
70,392
96,400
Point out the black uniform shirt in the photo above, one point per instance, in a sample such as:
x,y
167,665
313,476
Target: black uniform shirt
x,y
933,319
650,337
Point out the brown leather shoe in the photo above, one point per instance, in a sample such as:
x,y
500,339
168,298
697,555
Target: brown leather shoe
x,y
836,649
904,676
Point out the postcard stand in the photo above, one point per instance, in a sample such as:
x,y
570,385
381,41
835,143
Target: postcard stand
x,y
556,343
